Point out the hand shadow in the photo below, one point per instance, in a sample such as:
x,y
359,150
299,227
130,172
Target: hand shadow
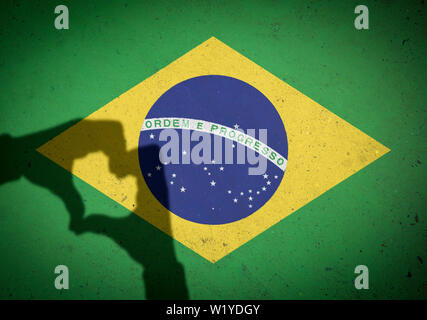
x,y
163,275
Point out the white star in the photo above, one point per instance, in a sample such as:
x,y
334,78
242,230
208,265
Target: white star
x,y
268,182
209,173
250,191
149,174
184,152
213,161
250,206
229,191
236,126
241,193
213,183
265,176
158,168
151,136
183,189
257,192
235,200
275,177
264,188
221,169
205,168
173,175
171,182
250,198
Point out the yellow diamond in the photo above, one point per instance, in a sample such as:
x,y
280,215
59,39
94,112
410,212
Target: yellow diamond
x,y
323,149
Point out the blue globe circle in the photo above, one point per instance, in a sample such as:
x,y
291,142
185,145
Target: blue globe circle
x,y
220,192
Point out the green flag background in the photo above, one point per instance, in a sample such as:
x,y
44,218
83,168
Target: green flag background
x,y
375,79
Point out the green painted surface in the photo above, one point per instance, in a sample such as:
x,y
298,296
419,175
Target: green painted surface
x,y
374,79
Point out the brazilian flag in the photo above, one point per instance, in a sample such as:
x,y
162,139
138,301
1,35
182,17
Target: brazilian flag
x,y
213,150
